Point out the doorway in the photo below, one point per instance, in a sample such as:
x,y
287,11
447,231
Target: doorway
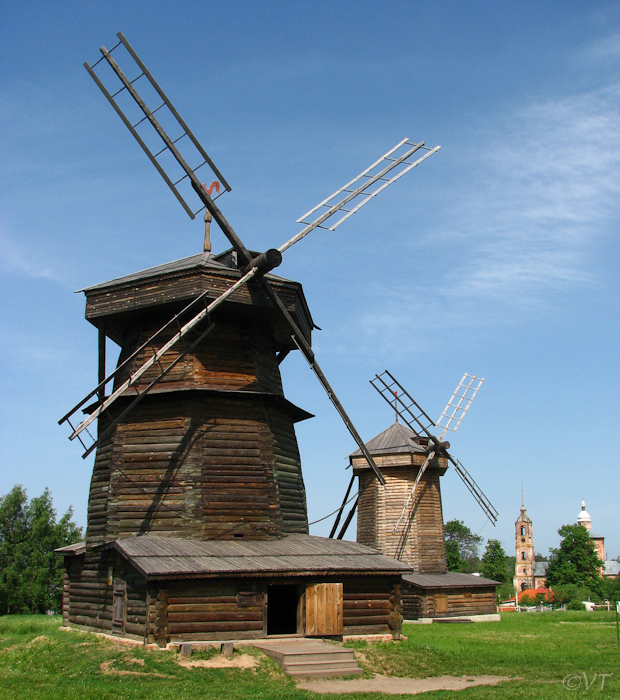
x,y
282,602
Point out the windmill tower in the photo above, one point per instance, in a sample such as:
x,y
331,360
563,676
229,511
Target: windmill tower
x,y
197,496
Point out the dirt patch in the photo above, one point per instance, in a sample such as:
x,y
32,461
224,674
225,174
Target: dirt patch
x,y
38,640
400,686
107,670
237,661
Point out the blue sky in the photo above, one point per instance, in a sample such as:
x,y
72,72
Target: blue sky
x,y
498,256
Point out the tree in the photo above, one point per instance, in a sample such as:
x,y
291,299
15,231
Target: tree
x,y
467,543
575,561
494,561
540,557
453,556
30,572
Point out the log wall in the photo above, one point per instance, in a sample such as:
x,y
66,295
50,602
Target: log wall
x,y
419,539
188,465
420,603
88,594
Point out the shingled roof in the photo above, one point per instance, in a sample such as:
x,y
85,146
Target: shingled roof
x,y
396,439
294,555
451,579
224,262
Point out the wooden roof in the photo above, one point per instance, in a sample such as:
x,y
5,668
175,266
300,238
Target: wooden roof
x,y
293,555
397,439
451,579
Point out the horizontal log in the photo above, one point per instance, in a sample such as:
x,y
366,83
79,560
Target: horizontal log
x,y
245,614
228,626
374,604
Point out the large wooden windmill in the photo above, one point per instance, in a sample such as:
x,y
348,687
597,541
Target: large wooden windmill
x,y
197,520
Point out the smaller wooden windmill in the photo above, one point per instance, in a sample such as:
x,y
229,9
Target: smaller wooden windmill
x,y
405,520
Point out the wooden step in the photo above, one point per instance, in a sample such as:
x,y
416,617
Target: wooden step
x,y
311,659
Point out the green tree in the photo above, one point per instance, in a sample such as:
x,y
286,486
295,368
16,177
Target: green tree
x,y
453,556
456,533
494,561
30,572
575,561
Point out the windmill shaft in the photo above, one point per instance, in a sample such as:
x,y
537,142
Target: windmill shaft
x,y
307,352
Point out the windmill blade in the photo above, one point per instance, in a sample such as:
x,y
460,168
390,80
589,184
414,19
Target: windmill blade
x,y
488,508
357,197
455,410
395,159
406,407
171,145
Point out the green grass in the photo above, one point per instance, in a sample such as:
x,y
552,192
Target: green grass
x,y
39,662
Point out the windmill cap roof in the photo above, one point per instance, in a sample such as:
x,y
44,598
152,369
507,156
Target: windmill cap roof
x,y
223,261
395,439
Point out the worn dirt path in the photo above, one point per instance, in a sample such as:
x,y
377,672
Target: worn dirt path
x,y
399,686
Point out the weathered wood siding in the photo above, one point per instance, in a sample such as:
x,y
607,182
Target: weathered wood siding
x,y
186,611
418,603
237,355
419,540
372,605
117,303
88,595
183,464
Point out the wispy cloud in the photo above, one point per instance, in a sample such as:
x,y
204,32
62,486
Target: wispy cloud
x,y
27,261
537,200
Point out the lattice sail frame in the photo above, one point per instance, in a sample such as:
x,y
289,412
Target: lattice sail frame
x,y
457,407
415,417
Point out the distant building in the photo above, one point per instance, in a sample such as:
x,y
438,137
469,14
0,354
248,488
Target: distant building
x,y
525,566
597,540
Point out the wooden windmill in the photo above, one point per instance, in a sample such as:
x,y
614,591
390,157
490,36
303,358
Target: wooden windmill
x,y
404,520
197,471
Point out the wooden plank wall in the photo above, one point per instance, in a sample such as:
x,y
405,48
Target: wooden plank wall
x,y
199,467
90,596
238,354
372,605
177,290
207,610
418,542
462,601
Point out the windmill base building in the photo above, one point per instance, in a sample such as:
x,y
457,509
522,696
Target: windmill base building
x,y
197,519
430,591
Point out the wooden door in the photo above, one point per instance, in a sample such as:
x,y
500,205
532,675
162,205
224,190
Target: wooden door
x,y
119,607
440,603
324,609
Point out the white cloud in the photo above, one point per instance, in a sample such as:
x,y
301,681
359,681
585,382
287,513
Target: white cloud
x,y
28,262
539,197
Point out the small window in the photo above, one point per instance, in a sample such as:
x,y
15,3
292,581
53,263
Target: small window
x,y
522,556
522,530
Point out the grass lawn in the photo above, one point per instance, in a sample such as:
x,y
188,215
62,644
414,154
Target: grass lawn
x,y
538,651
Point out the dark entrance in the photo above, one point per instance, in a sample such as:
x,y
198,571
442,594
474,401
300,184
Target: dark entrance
x,y
282,609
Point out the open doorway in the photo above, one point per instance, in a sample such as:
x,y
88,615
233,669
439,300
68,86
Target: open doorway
x,y
282,604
